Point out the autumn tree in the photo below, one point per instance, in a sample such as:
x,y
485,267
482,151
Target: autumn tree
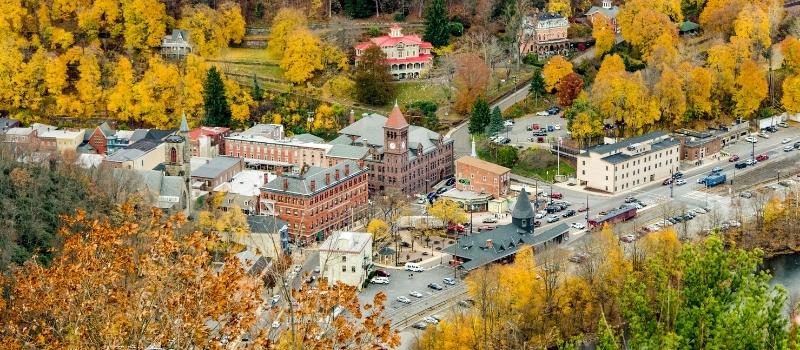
x,y
106,288
561,7
437,26
379,230
698,90
283,24
121,99
583,122
448,211
790,47
372,78
604,37
218,113
568,89
554,70
623,97
145,23
671,98
752,24
471,81
479,117
751,89
302,56
642,21
213,219
791,93
210,30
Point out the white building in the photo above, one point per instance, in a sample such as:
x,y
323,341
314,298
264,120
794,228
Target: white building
x,y
630,163
346,257
406,55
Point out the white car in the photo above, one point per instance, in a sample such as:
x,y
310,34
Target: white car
x,y
557,126
761,134
415,294
540,215
578,226
380,280
430,320
276,324
508,123
751,139
403,299
542,113
680,182
786,140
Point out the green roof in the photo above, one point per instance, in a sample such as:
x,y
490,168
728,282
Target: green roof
x,y
688,25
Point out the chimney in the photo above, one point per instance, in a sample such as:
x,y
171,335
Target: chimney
x,y
327,179
352,116
361,163
337,175
266,178
313,185
347,170
285,184
489,244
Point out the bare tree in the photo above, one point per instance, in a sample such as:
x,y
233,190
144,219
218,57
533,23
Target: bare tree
x,y
391,205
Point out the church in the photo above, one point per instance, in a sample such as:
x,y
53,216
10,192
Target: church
x,y
409,158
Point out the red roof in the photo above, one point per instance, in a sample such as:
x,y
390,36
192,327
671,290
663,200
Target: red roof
x,y
207,131
386,40
396,119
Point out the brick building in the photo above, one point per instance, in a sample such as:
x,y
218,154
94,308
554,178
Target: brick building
x,y
215,172
318,201
208,141
405,157
607,12
262,150
476,175
545,34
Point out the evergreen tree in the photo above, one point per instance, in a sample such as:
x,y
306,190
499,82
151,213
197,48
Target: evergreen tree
x,y
372,78
537,88
437,27
218,113
358,8
257,93
479,118
495,122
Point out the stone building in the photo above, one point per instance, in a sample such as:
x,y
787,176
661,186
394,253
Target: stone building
x,y
405,157
545,34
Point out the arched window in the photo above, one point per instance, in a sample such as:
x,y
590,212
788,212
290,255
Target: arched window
x,y
173,155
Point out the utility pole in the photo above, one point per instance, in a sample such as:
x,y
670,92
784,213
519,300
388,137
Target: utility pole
x,y
671,182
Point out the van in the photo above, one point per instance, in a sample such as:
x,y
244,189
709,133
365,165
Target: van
x,y
413,267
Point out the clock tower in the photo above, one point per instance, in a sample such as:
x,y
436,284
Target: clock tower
x,y
395,147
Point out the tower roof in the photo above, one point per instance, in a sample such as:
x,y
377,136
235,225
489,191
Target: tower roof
x,y
396,119
184,124
522,209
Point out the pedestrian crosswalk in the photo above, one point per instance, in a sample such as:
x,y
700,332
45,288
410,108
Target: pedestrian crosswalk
x,y
710,198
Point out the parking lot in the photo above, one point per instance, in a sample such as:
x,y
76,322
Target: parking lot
x,y
402,284
520,135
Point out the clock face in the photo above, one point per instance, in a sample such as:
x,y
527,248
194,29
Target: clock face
x,y
392,145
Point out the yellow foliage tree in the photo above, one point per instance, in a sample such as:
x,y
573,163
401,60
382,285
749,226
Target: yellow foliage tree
x,y
791,93
448,211
561,7
624,98
750,88
773,211
60,38
325,117
12,16
145,23
698,90
121,99
339,86
641,23
672,101
10,61
718,16
239,101
604,37
105,15
29,84
233,24
753,25
191,100
663,52
790,47
284,23
210,30
378,229
90,93
157,93
724,60
556,68
302,56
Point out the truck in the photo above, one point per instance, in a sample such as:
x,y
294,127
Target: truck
x,y
771,121
715,179
623,213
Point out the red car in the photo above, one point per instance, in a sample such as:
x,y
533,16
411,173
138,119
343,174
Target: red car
x,y
455,227
556,195
762,157
733,158
583,209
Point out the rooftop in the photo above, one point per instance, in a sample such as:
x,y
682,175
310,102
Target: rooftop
x,y
135,150
613,147
308,138
621,157
346,241
207,131
369,129
265,224
544,16
265,129
389,40
62,134
608,12
216,166
246,183
482,164
301,185
522,207
347,151
19,131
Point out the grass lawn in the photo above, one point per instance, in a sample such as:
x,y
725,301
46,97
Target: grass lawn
x,y
412,91
269,71
243,54
545,174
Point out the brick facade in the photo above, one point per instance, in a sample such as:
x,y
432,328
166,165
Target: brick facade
x,y
320,201
484,177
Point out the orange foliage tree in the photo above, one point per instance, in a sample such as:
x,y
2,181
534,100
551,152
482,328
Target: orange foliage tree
x,y
131,283
471,80
568,89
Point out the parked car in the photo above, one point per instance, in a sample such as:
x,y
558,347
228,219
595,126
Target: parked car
x,y
553,110
540,215
763,135
783,124
557,126
751,139
508,122
746,194
551,128
430,320
762,157
733,158
556,195
751,161
449,281
627,238
630,200
420,325
403,299
579,258
435,286
578,226
716,170
276,324
797,145
680,182
677,175
786,140
382,273
583,209
667,182
788,148
489,220
380,280
568,213
772,129
451,181
542,113
552,218
455,228
741,165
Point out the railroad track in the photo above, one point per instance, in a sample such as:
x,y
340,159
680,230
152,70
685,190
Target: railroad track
x,y
402,319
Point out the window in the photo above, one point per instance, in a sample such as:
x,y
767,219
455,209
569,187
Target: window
x,y
344,259
344,268
353,268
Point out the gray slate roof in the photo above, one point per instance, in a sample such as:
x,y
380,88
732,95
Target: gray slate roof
x,y
251,262
610,13
7,123
348,151
549,15
157,183
216,166
264,224
106,129
523,208
506,241
621,157
370,129
625,143
302,185
308,138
